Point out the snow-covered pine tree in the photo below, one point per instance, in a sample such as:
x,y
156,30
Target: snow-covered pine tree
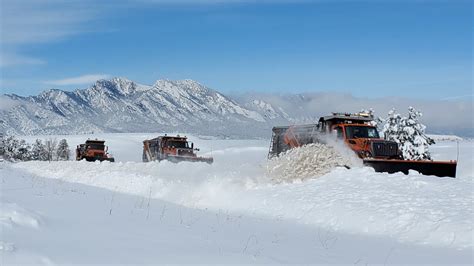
x,y
391,128
10,147
38,151
23,152
63,151
409,133
2,146
15,149
417,142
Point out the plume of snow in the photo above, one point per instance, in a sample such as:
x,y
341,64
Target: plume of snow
x,y
308,161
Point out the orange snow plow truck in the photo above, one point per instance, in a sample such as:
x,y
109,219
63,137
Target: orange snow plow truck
x,y
362,137
172,148
93,150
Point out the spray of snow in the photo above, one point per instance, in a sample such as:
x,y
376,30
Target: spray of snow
x,y
312,160
309,161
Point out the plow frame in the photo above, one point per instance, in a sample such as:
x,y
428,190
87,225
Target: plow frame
x,y
436,168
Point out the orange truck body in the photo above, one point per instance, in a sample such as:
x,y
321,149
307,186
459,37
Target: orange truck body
x,y
358,133
93,150
171,148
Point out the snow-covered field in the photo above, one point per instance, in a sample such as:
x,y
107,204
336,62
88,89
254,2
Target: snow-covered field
x,y
131,212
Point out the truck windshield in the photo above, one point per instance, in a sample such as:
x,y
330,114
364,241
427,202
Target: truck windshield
x,y
178,144
354,132
95,147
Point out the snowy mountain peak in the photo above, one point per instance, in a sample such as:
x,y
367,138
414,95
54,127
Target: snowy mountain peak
x,y
51,93
121,105
186,84
122,86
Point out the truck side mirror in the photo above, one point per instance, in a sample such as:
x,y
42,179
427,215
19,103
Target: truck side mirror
x,y
192,145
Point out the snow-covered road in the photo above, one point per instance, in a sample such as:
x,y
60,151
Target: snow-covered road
x,y
379,217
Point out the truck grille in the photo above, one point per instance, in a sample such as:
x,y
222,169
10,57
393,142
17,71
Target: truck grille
x,y
185,152
384,149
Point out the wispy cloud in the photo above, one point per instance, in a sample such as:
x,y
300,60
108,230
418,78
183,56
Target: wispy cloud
x,y
30,22
80,80
13,59
212,2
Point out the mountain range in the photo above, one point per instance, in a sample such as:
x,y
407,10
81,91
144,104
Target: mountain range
x,y
121,105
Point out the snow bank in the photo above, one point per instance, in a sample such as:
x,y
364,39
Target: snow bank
x,y
437,137
13,215
118,229
409,208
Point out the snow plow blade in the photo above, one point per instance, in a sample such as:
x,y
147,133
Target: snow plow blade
x,y
177,159
436,168
101,159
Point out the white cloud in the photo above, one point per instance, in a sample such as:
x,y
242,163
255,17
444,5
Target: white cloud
x,y
84,79
453,116
33,21
13,59
29,22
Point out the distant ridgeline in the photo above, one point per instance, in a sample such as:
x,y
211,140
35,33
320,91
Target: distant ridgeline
x,y
121,105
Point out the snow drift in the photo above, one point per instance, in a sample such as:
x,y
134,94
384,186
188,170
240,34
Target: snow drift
x,y
409,208
231,211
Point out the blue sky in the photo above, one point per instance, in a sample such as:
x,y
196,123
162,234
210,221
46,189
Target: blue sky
x,y
419,49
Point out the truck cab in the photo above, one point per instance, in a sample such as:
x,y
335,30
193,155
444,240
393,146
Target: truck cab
x,y
357,131
93,150
177,146
171,148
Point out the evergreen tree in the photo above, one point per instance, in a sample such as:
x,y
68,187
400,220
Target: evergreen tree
x,y
63,151
416,141
14,149
23,152
409,133
391,128
2,145
11,145
38,151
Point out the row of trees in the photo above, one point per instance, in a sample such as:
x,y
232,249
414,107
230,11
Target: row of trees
x,y
407,131
14,149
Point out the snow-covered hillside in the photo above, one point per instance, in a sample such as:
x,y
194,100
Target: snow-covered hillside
x,y
231,211
120,105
